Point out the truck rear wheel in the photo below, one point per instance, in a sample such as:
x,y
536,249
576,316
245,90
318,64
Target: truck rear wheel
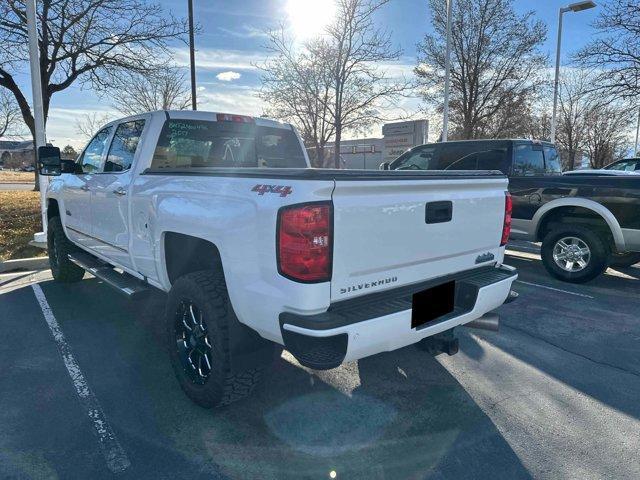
x,y
572,253
198,318
59,248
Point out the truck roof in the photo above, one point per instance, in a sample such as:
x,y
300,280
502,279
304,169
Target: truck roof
x,y
209,116
493,140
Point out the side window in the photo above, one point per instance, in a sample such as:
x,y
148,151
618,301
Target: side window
x,y
527,160
552,160
493,160
468,162
123,146
92,156
423,158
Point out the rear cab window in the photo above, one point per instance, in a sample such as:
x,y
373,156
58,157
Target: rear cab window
x,y
185,144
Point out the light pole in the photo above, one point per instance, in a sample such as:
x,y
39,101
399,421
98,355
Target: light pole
x,y
447,74
574,7
38,112
192,57
636,152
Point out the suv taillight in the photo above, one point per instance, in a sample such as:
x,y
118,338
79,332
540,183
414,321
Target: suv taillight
x,y
304,243
506,226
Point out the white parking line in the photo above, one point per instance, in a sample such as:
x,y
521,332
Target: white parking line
x,y
555,289
115,456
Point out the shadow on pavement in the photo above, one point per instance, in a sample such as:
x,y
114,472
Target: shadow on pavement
x,y
395,415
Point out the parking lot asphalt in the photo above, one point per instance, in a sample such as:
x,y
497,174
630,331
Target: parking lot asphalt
x,y
554,394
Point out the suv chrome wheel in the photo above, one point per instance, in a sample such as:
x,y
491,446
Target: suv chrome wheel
x,y
571,254
192,342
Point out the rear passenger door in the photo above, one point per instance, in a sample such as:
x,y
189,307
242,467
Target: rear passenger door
x,y
526,183
110,203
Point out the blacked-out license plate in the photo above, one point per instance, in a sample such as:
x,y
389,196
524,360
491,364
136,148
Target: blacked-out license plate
x,y
432,303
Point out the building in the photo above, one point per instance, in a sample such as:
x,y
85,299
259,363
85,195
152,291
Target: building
x,y
369,153
15,154
359,153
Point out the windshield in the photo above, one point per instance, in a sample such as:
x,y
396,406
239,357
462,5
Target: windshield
x,y
198,143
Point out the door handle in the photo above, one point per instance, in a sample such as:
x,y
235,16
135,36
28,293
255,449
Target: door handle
x,y
85,188
120,191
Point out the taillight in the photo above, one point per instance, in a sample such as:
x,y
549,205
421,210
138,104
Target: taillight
x,y
304,243
506,226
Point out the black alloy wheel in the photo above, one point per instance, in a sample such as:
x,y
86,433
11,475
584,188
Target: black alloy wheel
x,y
192,342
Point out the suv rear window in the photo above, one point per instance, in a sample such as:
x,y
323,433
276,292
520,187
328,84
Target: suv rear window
x,y
187,144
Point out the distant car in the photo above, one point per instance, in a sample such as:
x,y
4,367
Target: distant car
x,y
626,165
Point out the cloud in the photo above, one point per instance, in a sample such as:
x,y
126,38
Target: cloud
x,y
245,31
228,76
218,59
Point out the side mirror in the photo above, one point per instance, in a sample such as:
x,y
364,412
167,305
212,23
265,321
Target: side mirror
x,y
69,166
384,166
49,163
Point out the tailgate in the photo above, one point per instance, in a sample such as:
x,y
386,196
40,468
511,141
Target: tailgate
x,y
394,232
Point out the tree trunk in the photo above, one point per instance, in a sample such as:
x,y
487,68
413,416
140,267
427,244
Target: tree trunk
x,y
336,153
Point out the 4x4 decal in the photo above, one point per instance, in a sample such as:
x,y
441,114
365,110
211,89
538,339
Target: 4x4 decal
x,y
282,190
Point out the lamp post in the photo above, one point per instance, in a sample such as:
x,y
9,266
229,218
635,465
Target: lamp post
x,y
574,7
38,112
192,57
636,152
447,74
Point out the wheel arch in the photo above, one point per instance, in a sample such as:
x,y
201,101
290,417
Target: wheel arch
x,y
565,205
183,254
53,208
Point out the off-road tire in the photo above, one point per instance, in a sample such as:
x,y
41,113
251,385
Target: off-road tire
x,y
59,248
598,246
624,260
208,291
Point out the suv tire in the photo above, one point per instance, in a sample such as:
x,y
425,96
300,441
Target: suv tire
x,y
574,254
59,248
197,323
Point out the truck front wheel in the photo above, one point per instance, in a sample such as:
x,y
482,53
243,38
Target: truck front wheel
x,y
572,253
198,318
59,248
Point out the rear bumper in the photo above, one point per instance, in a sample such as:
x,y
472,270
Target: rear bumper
x,y
380,322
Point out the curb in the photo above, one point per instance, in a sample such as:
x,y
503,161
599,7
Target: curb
x,y
35,263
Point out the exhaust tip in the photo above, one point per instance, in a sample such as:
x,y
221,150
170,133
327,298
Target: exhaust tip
x,y
489,321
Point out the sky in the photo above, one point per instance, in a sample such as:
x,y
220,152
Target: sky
x,y
231,38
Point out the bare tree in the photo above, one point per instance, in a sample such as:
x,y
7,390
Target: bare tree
x,y
356,47
297,87
605,138
90,123
86,41
334,83
10,118
575,103
616,51
166,89
496,68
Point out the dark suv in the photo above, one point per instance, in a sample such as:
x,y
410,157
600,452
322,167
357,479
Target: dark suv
x,y
585,222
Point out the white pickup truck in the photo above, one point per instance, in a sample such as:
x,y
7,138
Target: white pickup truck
x,y
256,250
